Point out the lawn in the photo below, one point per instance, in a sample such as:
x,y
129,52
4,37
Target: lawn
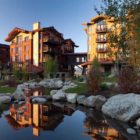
x,y
80,89
7,89
112,79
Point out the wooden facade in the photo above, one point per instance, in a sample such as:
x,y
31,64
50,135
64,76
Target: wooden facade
x,y
34,48
4,55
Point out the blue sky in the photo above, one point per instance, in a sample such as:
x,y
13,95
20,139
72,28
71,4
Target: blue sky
x,y
66,16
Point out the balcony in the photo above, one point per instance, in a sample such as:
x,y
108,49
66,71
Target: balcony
x,y
50,41
105,60
101,40
101,50
101,30
48,50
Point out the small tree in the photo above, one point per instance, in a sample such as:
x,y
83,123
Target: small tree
x,y
51,67
93,77
16,71
24,72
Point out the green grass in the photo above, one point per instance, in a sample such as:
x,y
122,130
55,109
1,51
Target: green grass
x,y
112,79
80,89
47,91
7,89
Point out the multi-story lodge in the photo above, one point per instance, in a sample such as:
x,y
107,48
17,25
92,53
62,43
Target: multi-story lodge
x,y
4,55
98,45
34,48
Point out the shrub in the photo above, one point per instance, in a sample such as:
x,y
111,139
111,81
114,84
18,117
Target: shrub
x,y
103,87
51,67
128,80
93,77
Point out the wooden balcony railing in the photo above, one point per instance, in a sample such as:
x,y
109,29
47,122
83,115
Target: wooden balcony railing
x,y
101,30
101,50
105,60
49,40
101,40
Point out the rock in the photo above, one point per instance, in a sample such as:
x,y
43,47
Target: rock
x,y
48,97
100,100
59,96
19,93
18,96
33,84
89,101
66,83
8,94
123,107
39,100
80,99
5,99
95,101
138,122
21,102
58,84
131,131
52,83
71,97
52,92
70,85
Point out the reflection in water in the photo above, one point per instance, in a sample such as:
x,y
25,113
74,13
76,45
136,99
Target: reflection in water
x,y
49,116
39,116
99,129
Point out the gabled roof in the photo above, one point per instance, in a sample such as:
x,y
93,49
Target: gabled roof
x,y
14,33
52,29
98,17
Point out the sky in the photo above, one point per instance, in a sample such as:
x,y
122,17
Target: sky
x,y
66,16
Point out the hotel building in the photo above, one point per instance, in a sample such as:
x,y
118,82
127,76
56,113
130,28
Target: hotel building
x,y
34,48
97,43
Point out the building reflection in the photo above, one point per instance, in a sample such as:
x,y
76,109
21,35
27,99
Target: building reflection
x,y
99,129
38,116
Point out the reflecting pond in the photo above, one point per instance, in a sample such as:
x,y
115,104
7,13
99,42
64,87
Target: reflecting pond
x,y
57,121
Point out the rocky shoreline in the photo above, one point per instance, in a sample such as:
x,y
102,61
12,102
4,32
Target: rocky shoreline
x,y
122,107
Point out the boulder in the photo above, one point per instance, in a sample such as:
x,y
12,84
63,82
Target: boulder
x,y
138,122
131,131
58,84
80,99
89,101
66,83
123,107
70,85
5,99
19,93
52,92
100,100
59,96
71,97
95,101
39,100
52,83
33,84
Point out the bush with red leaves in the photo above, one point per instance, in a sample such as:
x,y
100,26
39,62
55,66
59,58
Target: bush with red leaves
x,y
93,77
129,80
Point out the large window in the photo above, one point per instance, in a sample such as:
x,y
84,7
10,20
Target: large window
x,y
101,46
101,37
26,39
19,39
101,25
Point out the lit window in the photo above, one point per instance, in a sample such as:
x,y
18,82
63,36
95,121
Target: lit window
x,y
26,38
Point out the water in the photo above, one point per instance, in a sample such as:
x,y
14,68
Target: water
x,y
58,121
